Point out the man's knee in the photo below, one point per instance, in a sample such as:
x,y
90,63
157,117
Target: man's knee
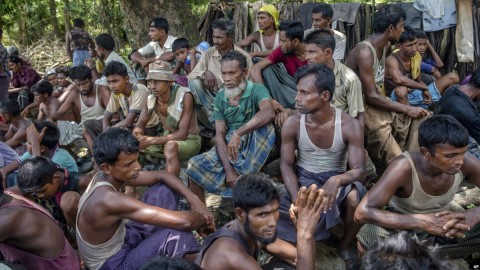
x,y
170,149
452,78
401,91
352,200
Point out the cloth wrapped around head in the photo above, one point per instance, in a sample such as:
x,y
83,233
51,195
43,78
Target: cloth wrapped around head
x,y
160,71
272,10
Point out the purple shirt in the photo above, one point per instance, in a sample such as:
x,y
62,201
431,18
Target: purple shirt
x,y
27,76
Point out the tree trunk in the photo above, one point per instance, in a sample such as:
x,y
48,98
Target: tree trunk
x,y
66,16
139,13
52,6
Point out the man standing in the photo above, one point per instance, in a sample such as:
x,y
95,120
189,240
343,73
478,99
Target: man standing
x,y
279,81
415,190
4,74
326,140
206,78
244,133
78,42
160,46
322,19
390,127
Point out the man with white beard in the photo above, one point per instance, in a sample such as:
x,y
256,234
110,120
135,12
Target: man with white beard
x,y
244,132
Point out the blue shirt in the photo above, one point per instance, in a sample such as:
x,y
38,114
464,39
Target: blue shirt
x,y
61,157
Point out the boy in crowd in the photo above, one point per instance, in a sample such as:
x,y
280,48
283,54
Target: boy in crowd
x,y
29,236
127,99
17,125
429,65
186,60
42,140
116,231
46,180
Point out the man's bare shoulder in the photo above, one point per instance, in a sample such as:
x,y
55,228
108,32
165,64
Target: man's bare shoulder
x,y
231,252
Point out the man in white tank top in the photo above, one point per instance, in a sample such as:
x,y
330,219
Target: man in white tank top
x,y
87,102
418,186
322,135
267,37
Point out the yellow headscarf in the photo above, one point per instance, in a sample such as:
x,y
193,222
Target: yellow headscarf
x,y
272,10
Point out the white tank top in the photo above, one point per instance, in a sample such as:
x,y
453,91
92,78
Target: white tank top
x,y
93,112
315,159
275,44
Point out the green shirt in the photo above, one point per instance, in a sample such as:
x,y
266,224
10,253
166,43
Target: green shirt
x,y
248,106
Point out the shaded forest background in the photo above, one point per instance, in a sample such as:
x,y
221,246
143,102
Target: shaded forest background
x,y
38,27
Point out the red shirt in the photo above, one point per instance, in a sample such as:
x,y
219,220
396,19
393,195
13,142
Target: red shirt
x,y
290,61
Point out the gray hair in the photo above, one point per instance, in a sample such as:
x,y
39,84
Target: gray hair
x,y
224,24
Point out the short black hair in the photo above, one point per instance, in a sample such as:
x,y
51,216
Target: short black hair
x,y
160,23
234,55
34,173
325,9
324,77
421,34
322,38
475,79
180,43
52,134
15,59
65,70
78,23
224,24
80,73
42,87
441,129
400,251
169,263
10,107
115,68
387,15
254,190
293,29
409,34
105,41
111,143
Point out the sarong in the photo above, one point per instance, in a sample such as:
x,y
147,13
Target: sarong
x,y
282,87
204,103
285,227
143,241
69,132
207,170
415,96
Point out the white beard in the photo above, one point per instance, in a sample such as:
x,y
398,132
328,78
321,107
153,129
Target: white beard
x,y
232,93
